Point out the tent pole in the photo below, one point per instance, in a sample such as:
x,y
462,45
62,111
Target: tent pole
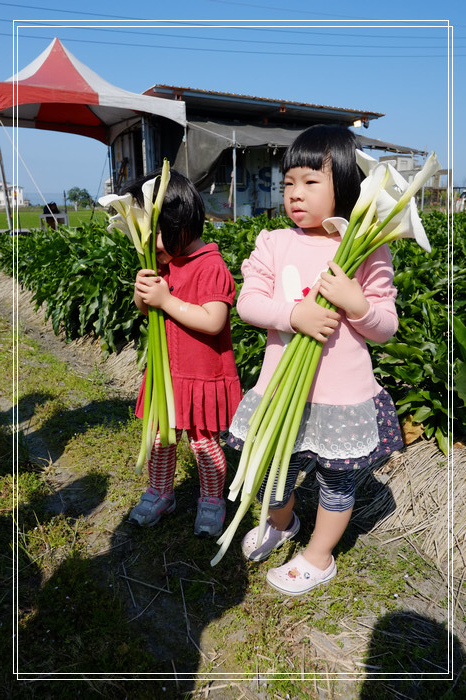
x,y
234,175
109,154
185,139
5,190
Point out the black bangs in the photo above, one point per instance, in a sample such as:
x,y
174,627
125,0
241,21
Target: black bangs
x,y
335,146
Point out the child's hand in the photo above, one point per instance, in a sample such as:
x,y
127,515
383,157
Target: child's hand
x,y
312,319
344,292
151,289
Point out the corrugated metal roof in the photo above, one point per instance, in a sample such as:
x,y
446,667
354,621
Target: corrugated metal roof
x,y
216,93
263,108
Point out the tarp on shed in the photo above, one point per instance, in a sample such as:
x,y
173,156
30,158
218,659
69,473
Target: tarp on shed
x,y
206,141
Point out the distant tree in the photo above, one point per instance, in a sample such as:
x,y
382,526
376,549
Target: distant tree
x,y
80,197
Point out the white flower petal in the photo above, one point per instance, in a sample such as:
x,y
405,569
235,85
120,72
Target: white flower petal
x,y
385,204
121,203
431,166
148,194
411,226
141,220
164,180
370,187
335,224
365,161
396,184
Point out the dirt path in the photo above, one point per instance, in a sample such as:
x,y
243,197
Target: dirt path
x,y
118,372
84,355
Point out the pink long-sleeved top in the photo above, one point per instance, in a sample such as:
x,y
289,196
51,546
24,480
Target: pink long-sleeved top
x,y
283,264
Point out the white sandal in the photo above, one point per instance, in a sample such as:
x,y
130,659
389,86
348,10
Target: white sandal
x,y
273,539
299,576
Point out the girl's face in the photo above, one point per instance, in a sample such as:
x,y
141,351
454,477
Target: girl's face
x,y
309,197
163,258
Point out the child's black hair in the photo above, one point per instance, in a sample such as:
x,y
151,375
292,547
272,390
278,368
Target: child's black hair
x,y
333,145
182,216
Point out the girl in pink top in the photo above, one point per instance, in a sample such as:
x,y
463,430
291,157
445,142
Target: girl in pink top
x,y
349,421
196,291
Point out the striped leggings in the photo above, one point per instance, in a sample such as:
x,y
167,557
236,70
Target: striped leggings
x,y
210,459
336,487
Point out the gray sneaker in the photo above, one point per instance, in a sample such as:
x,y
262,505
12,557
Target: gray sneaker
x,y
210,517
151,507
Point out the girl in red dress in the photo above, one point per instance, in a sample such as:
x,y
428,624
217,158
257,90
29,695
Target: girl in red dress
x,y
196,291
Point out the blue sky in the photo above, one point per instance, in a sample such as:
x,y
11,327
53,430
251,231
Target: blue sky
x,y
391,58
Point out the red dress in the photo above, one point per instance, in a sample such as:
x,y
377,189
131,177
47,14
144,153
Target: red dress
x,y
205,380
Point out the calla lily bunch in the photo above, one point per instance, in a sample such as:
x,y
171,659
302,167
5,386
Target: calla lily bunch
x,y
385,210
140,225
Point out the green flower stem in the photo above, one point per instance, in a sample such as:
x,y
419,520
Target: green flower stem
x,y
278,411
154,339
227,536
259,414
145,419
353,264
348,239
275,406
286,433
229,533
152,425
170,399
315,352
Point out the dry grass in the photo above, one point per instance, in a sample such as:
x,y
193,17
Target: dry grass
x,y
429,490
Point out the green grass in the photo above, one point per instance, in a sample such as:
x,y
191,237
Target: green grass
x,y
29,217
75,611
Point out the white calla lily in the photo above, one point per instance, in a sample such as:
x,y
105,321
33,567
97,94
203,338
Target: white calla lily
x,y
365,161
133,231
148,194
370,186
408,224
396,184
139,222
335,224
430,167
118,223
120,203
164,180
385,205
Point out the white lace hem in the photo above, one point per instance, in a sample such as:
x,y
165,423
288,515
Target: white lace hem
x,y
332,432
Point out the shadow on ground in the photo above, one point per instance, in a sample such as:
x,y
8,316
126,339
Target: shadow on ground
x,y
61,424
413,656
124,604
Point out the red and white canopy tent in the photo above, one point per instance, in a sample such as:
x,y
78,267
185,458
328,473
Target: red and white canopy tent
x,y
57,92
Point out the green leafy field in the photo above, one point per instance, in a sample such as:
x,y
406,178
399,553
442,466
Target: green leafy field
x,y
29,217
84,278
